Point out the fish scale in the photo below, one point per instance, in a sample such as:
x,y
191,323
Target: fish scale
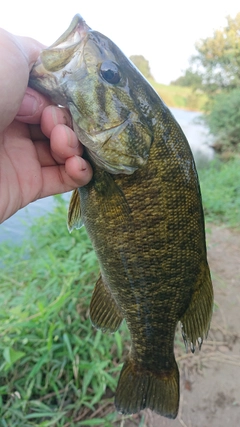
x,y
142,211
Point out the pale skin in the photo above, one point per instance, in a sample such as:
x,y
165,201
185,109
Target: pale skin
x,y
39,152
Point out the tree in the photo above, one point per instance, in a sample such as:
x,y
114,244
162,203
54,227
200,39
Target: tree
x,y
223,121
189,78
215,69
143,65
218,58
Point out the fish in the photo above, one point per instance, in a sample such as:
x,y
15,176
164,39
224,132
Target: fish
x,y
142,211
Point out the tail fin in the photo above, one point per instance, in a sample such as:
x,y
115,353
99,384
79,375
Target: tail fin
x,y
138,389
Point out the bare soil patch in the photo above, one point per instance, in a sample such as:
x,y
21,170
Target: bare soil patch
x,y
210,379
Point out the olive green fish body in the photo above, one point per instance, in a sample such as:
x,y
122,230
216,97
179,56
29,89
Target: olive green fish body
x,y
142,211
148,232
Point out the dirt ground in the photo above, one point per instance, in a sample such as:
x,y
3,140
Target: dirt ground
x,y
210,379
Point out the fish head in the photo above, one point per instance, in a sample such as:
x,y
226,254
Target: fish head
x,y
105,93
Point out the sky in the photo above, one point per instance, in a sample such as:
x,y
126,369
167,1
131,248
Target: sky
x,y
164,32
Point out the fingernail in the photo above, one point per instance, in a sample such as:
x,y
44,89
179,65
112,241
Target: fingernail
x,y
81,163
72,139
29,106
58,118
54,115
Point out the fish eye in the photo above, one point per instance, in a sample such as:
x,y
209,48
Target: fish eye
x,y
110,72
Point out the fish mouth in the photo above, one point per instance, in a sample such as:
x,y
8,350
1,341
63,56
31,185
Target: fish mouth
x,y
56,57
76,32
58,60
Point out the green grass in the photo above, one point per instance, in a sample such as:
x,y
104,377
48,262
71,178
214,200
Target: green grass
x,y
54,366
220,185
180,96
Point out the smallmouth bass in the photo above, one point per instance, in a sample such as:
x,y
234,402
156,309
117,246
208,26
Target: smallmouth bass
x,y
142,211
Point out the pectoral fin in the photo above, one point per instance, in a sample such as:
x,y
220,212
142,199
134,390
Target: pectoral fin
x,y
74,212
104,311
112,198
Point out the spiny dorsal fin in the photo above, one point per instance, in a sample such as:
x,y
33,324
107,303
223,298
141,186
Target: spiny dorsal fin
x,y
74,212
104,311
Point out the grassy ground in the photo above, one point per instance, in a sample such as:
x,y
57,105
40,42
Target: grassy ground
x,y
220,184
180,97
55,368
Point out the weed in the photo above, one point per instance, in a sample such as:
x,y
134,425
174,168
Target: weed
x,y
220,185
53,364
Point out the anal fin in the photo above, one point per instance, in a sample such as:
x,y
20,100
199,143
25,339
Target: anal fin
x,y
196,320
104,311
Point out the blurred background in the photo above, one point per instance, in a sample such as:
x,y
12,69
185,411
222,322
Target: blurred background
x,y
55,369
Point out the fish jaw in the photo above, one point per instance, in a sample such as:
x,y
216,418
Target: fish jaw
x,y
76,32
58,61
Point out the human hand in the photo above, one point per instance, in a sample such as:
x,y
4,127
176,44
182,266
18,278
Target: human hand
x,y
39,152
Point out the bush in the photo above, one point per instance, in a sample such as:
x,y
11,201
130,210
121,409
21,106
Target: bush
x,y
224,121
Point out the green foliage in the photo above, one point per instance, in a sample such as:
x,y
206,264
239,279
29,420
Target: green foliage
x,y
220,185
190,78
218,58
55,368
217,72
142,64
224,122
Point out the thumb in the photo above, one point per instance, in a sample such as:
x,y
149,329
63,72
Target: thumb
x,y
18,55
32,106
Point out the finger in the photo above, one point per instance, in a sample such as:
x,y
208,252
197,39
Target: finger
x,y
57,180
64,143
30,48
32,107
53,116
79,170
36,133
44,153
